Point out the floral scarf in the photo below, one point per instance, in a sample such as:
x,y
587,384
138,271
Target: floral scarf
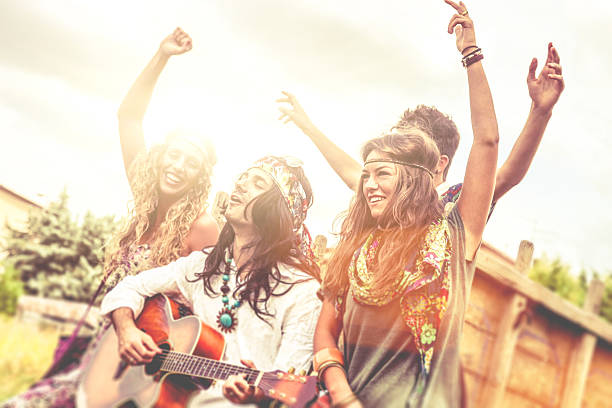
x,y
423,287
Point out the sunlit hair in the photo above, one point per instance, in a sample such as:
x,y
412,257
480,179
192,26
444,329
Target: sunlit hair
x,y
275,243
402,226
437,125
168,240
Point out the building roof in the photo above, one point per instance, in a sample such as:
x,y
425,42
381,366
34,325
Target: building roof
x,y
19,196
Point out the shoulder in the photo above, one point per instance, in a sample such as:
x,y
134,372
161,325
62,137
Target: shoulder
x,y
192,263
203,232
302,280
205,223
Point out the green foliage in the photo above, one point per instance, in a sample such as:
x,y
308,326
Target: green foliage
x,y
57,256
11,288
556,276
606,304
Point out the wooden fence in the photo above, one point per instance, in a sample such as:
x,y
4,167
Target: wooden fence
x,y
524,346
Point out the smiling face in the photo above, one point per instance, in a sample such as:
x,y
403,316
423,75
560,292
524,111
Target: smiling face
x,y
379,181
180,166
251,184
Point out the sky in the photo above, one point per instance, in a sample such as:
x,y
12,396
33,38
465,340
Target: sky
x,y
355,66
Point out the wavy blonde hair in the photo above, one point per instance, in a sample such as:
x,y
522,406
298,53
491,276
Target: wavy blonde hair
x,y
404,222
168,239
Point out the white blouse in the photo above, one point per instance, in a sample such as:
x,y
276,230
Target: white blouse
x,y
282,341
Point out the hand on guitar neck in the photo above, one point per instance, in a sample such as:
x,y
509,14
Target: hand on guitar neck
x,y
237,389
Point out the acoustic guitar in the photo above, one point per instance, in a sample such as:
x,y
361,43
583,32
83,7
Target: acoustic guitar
x,y
189,362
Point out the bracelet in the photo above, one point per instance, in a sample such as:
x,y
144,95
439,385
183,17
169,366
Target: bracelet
x,y
472,58
327,354
468,47
324,367
345,401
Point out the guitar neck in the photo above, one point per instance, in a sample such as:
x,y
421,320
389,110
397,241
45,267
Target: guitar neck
x,y
180,363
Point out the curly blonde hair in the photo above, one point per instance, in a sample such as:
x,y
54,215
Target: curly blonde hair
x,y
168,239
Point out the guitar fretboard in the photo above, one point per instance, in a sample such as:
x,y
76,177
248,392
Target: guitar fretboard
x,y
188,364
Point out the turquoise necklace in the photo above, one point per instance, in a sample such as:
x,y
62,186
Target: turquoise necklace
x,y
226,318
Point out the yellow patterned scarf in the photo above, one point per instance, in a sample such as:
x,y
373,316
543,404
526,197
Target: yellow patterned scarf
x,y
423,287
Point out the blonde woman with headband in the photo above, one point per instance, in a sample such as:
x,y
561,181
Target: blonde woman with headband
x,y
168,219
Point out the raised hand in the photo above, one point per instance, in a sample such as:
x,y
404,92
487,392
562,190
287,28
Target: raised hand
x,y
295,113
546,88
463,26
179,42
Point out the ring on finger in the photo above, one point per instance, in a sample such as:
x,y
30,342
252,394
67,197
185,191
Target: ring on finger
x,y
464,13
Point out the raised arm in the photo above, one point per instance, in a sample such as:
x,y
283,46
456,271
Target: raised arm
x,y
343,164
134,105
479,182
544,91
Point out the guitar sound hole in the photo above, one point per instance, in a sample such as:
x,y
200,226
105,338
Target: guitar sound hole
x,y
154,366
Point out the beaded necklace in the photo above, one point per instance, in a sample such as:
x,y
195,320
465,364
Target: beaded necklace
x,y
226,318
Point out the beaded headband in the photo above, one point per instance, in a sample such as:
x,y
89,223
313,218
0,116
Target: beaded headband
x,y
403,163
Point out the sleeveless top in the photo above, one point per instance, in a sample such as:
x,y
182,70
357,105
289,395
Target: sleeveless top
x,y
382,363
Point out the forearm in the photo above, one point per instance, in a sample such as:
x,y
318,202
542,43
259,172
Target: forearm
x,y
123,319
341,162
484,121
137,100
326,336
479,182
516,165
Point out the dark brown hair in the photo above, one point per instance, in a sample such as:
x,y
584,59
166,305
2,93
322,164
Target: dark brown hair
x,y
439,126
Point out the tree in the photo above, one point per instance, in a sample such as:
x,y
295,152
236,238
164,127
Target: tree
x,y
556,276
56,255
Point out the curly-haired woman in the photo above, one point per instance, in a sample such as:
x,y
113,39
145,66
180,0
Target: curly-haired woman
x,y
170,184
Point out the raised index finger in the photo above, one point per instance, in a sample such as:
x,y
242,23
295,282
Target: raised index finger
x,y
454,5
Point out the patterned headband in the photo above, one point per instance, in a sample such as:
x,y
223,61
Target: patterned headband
x,y
403,163
294,196
288,184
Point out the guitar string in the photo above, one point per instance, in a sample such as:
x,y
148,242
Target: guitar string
x,y
175,361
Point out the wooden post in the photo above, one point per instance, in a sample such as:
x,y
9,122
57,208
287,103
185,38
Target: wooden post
x,y
580,361
507,335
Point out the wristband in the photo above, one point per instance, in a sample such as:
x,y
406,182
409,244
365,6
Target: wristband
x,y
327,354
468,47
472,57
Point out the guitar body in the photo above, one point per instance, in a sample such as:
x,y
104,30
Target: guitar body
x,y
108,382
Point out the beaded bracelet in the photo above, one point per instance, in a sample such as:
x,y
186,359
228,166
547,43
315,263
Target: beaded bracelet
x,y
472,57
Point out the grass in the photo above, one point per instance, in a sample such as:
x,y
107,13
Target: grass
x,y
26,352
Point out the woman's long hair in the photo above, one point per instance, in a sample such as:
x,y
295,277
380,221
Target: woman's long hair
x,y
168,240
404,222
275,243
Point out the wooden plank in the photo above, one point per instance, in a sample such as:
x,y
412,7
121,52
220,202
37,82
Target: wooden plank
x,y
507,334
542,354
490,264
598,392
580,362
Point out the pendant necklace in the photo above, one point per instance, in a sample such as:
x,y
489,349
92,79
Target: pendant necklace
x,y
226,318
